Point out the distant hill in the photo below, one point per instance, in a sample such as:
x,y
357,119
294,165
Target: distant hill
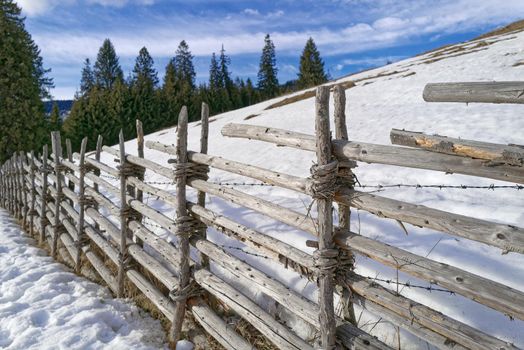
x,y
63,105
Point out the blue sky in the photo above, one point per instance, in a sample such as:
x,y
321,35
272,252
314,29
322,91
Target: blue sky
x,y
351,34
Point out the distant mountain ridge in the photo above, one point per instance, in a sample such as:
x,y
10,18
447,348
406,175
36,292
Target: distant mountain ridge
x,y
63,105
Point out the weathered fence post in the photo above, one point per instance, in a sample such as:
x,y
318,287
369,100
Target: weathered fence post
x,y
124,209
324,179
201,196
346,179
32,211
96,171
57,226
181,228
80,239
69,150
45,171
139,194
18,190
23,163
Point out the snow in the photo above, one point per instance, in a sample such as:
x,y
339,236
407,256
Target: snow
x,y
375,106
44,306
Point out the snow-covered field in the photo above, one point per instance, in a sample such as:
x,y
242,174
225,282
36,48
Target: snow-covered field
x,y
384,98
375,106
44,306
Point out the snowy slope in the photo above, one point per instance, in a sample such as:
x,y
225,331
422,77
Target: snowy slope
x,y
43,306
385,98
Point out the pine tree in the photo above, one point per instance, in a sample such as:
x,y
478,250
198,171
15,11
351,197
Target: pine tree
x,y
107,68
215,79
311,71
88,78
55,122
143,83
185,77
267,73
23,84
170,106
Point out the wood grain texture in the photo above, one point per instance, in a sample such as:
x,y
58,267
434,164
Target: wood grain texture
x,y
475,92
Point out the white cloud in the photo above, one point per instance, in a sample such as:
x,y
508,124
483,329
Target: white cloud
x,y
252,12
39,7
33,8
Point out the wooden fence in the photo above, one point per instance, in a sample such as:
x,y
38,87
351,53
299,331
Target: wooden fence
x,y
66,201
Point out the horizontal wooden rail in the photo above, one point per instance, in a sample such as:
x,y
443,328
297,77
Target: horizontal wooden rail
x,y
497,153
380,154
482,290
481,92
275,332
507,237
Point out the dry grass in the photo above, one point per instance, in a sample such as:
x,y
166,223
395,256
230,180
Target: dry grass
x,y
251,116
512,27
307,94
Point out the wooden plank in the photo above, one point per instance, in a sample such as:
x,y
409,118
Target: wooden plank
x,y
182,235
475,92
496,153
294,302
216,327
151,292
275,332
509,238
423,318
325,224
380,154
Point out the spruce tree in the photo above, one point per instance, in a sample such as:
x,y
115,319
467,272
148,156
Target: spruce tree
x,y
55,122
185,77
107,68
170,104
267,73
143,83
88,78
311,71
23,84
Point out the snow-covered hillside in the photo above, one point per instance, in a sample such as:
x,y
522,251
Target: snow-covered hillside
x,y
386,98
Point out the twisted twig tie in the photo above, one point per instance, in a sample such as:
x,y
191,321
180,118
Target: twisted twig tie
x,y
323,184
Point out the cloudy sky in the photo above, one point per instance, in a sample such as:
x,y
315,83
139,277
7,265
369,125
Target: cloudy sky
x,y
351,34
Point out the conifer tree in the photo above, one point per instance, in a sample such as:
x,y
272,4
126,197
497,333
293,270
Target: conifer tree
x,y
185,77
107,68
267,73
24,83
88,78
143,83
170,105
311,72
55,122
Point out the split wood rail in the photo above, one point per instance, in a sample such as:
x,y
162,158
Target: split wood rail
x,y
69,203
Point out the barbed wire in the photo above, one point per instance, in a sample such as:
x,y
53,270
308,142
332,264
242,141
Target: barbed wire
x,y
376,186
410,285
440,187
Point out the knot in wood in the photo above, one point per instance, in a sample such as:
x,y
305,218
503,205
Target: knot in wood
x,y
323,184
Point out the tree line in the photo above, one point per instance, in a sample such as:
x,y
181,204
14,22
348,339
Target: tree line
x,y
107,101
